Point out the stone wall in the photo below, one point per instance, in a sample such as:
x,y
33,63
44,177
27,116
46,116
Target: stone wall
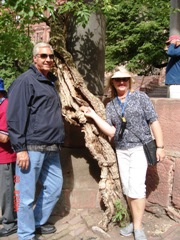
x,y
82,174
163,181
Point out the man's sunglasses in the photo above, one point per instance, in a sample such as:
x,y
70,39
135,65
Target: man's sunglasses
x,y
121,79
44,56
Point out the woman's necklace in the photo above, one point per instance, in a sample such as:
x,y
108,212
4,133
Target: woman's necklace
x,y
123,97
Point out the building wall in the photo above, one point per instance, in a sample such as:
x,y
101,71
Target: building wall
x,y
40,33
163,182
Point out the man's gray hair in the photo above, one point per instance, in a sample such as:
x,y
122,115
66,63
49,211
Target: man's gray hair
x,y
40,45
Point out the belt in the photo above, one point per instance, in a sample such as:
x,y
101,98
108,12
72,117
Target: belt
x,y
44,148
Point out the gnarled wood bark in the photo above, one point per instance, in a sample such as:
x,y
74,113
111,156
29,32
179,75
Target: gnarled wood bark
x,y
74,94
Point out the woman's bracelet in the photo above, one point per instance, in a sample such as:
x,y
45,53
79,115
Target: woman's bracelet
x,y
161,147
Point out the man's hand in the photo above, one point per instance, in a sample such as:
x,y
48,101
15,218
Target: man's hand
x,y
176,42
23,160
173,41
4,138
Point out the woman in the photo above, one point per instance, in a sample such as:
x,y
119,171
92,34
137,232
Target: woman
x,y
130,115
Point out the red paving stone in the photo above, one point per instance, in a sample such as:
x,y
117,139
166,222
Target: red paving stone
x,y
75,227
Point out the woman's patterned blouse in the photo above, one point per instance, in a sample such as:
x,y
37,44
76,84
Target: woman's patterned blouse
x,y
139,113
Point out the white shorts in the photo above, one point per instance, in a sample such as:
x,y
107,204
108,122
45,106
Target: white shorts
x,y
133,167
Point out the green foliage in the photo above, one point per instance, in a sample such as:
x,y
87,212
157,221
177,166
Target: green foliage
x,y
82,10
135,34
15,18
135,29
15,48
30,11
7,72
121,214
35,10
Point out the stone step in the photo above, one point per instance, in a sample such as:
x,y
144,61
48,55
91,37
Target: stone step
x,y
155,91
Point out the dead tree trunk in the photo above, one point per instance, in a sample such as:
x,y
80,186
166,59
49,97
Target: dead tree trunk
x,y
74,94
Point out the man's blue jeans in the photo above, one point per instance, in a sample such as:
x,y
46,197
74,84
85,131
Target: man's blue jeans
x,y
45,167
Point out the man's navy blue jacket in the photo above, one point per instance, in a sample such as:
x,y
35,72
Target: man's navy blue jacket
x,y
34,111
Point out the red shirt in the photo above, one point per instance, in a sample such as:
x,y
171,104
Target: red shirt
x,y
6,153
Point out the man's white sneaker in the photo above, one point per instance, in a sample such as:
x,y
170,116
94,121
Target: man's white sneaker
x,y
127,231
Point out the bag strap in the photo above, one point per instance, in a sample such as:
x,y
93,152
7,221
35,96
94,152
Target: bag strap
x,y
136,135
121,118
123,106
123,121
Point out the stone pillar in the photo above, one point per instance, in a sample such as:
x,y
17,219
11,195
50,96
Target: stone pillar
x,y
87,46
175,18
81,172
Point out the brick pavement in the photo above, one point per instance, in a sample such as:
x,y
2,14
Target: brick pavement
x,y
82,225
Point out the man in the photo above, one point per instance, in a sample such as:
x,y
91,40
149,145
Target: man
x,y
7,167
173,67
36,131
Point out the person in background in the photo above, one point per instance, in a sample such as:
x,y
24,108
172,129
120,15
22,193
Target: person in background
x,y
36,132
7,169
130,115
173,67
